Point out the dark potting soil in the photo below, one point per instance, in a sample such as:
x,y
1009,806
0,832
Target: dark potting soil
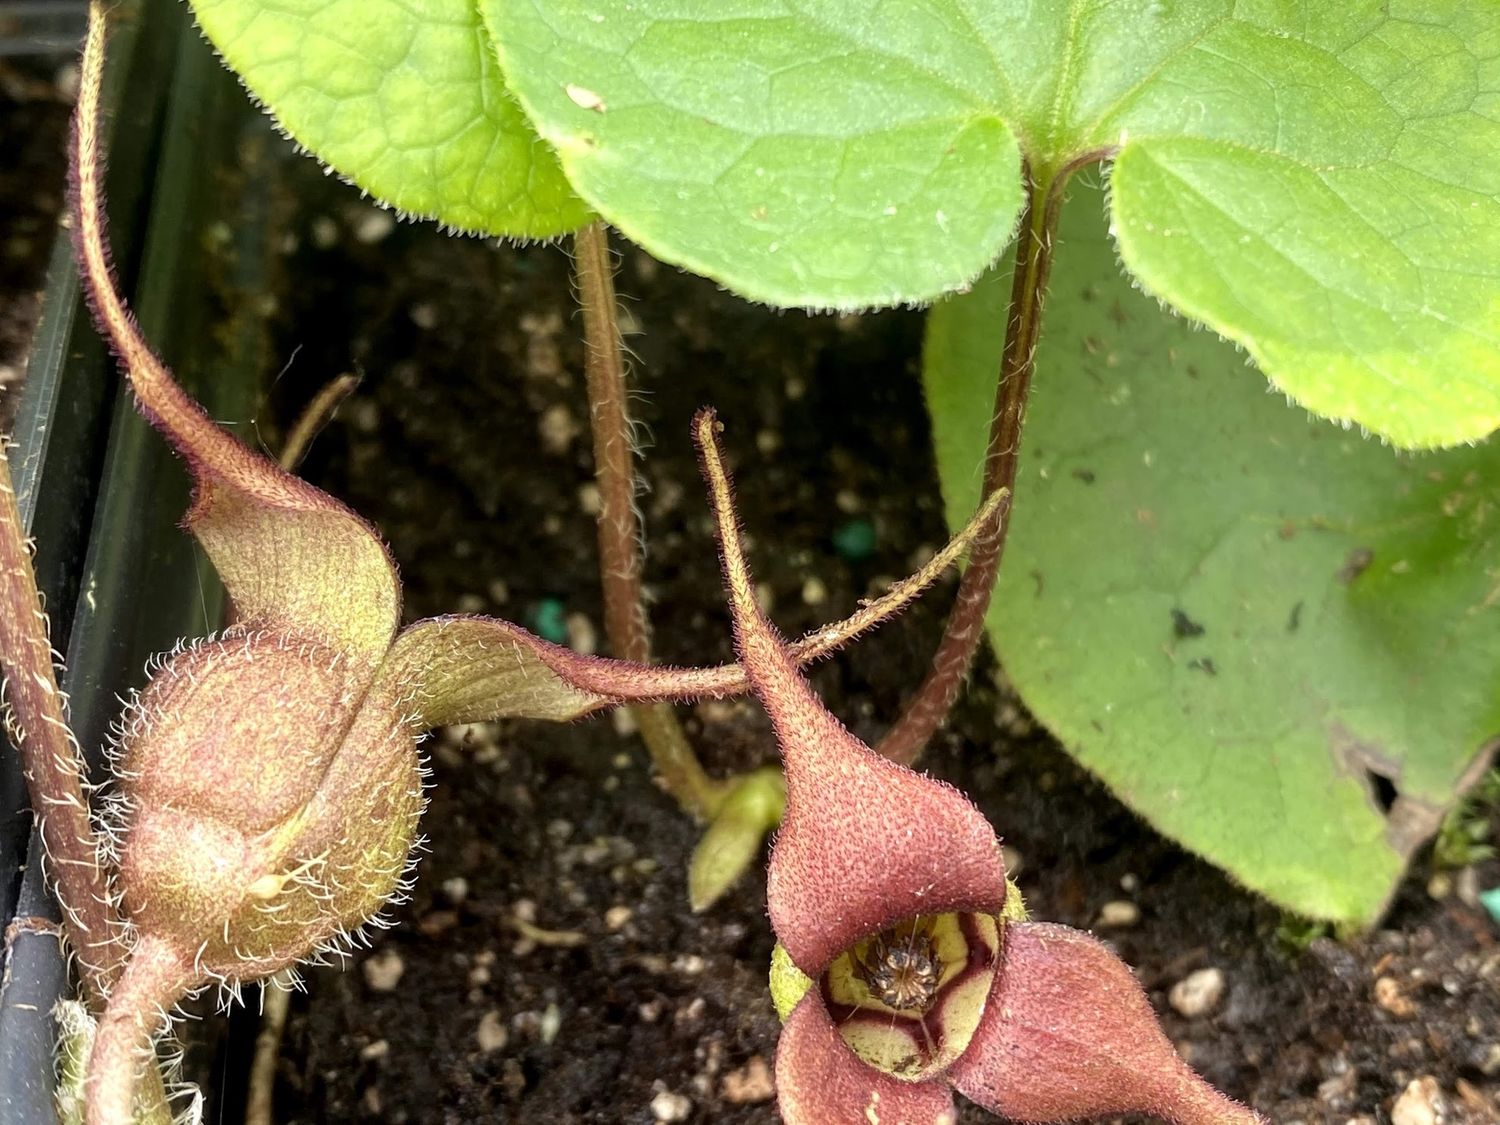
x,y
547,967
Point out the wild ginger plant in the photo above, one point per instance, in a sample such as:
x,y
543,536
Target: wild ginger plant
x,y
266,788
1318,184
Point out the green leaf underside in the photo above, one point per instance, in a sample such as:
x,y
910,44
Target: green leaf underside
x,y
1347,595
1315,181
405,100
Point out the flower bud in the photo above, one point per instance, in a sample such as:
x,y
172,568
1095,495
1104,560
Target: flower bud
x,y
265,808
735,835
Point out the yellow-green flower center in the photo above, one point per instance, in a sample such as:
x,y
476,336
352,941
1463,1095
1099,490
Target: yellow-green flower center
x,y
908,999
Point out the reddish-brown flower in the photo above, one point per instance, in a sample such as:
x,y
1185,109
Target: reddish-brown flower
x,y
915,971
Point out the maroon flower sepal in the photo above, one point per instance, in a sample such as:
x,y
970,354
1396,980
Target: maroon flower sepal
x,y
819,1079
1068,1033
864,842
905,970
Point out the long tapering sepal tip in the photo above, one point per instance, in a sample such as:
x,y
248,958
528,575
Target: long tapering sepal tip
x,y
866,843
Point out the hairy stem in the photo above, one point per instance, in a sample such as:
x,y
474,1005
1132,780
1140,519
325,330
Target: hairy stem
x,y
315,415
930,705
51,761
275,1005
620,680
620,561
155,978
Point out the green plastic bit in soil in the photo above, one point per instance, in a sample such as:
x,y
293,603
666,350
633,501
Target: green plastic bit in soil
x,y
1258,628
549,620
1490,900
405,100
1317,182
855,540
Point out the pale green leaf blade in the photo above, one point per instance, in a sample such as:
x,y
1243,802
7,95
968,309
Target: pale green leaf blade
x,y
796,157
1318,182
1346,594
405,100
1344,225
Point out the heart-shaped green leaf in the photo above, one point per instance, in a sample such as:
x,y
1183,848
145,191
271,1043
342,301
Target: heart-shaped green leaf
x,y
1317,182
1239,617
815,155
403,99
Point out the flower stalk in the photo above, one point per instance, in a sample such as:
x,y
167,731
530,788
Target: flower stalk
x,y
620,534
156,977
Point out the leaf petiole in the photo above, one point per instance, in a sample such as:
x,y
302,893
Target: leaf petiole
x,y
1034,247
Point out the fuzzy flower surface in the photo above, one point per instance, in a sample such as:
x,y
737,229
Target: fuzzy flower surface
x,y
912,970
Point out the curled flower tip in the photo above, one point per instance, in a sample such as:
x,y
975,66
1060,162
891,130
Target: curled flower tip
x,y
866,843
1068,1035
